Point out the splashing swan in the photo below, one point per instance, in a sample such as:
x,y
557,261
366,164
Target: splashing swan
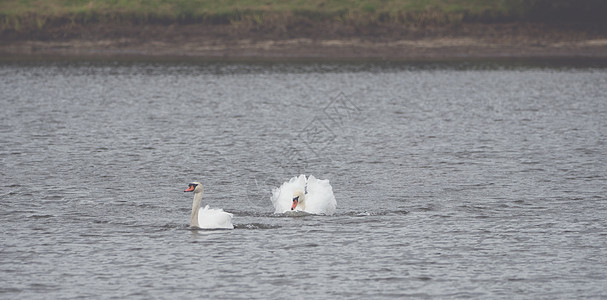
x,y
207,218
310,195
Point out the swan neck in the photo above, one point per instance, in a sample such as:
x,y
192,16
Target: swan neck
x,y
302,202
195,208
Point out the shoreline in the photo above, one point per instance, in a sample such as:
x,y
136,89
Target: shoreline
x,y
314,42
338,49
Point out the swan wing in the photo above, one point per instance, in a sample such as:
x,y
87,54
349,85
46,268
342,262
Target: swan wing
x,y
320,198
214,218
282,197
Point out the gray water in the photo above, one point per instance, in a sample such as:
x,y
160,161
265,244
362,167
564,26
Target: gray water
x,y
452,180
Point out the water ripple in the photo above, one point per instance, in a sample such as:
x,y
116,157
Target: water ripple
x,y
452,180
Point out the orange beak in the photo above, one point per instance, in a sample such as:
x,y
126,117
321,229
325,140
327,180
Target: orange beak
x,y
189,189
295,201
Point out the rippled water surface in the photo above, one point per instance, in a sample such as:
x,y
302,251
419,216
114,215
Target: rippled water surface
x,y
452,180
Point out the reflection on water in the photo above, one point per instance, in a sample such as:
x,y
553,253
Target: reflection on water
x,y
453,179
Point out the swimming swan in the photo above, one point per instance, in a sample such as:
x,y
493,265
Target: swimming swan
x,y
303,194
207,218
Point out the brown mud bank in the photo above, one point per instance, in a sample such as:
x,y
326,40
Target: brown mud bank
x,y
311,41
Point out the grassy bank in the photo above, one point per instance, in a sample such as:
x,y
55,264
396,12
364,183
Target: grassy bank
x,y
35,15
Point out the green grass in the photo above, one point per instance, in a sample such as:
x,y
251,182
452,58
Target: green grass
x,y
37,14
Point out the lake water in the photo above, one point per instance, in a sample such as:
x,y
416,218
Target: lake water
x,y
452,180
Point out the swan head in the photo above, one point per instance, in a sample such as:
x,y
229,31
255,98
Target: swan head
x,y
298,199
195,187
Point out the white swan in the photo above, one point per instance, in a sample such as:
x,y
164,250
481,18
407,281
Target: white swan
x,y
308,195
206,217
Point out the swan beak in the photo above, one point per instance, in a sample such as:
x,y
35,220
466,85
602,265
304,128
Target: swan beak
x,y
190,188
295,201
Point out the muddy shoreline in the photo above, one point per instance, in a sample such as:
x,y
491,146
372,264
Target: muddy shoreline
x,y
514,40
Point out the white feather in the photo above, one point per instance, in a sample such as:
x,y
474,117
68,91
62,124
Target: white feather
x,y
319,198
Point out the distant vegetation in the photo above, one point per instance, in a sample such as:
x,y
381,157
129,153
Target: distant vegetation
x,y
28,15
